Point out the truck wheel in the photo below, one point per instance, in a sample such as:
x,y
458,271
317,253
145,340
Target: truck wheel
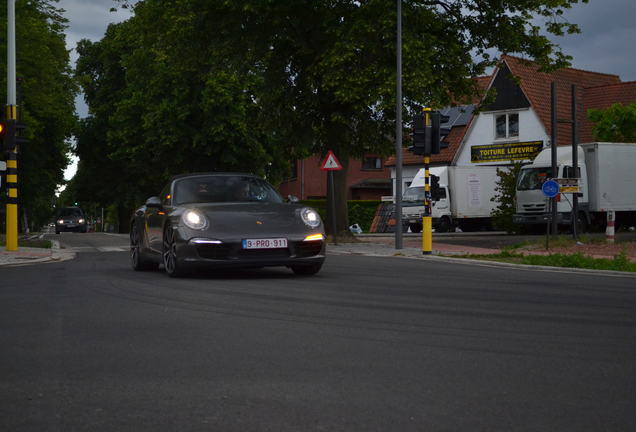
x,y
415,228
581,223
444,225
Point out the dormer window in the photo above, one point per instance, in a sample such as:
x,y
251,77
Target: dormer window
x,y
506,126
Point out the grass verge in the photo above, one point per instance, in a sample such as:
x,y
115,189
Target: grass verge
x,y
27,242
619,263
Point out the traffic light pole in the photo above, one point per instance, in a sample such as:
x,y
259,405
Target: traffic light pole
x,y
427,218
12,115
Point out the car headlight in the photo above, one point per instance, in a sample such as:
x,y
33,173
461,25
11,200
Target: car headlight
x,y
194,220
310,217
81,221
60,222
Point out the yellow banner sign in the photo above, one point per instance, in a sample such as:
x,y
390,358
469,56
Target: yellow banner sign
x,y
505,152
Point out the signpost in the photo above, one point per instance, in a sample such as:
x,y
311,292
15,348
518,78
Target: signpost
x,y
331,164
550,188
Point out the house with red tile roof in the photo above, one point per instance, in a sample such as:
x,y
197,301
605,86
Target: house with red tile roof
x,y
516,124
513,125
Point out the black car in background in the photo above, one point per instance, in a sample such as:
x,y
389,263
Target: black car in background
x,y
226,220
70,219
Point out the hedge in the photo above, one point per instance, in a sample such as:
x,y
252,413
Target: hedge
x,y
360,211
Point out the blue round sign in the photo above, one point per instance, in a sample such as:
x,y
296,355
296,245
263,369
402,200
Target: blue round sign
x,y
550,188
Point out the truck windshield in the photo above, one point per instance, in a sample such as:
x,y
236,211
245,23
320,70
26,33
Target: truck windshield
x,y
417,194
533,178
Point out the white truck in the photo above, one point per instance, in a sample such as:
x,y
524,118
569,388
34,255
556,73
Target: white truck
x,y
607,181
462,200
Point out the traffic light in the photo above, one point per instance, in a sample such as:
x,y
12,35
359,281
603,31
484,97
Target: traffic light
x,y
435,190
438,133
19,137
419,134
427,138
8,135
12,134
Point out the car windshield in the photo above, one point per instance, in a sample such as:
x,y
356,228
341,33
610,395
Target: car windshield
x,y
70,212
533,178
224,188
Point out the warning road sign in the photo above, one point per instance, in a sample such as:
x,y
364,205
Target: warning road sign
x,y
330,163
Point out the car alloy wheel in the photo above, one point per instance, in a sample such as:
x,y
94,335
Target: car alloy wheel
x,y
170,259
137,259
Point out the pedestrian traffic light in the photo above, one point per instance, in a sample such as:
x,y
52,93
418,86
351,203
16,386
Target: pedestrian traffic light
x,y
438,133
435,192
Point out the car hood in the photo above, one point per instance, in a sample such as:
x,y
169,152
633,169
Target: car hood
x,y
254,218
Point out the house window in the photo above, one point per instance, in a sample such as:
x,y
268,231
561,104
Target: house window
x,y
372,163
507,126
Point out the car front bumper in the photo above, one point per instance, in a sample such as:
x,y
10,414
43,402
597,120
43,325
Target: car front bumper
x,y
209,252
71,227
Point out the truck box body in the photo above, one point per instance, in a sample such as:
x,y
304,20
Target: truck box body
x,y
472,190
467,202
611,171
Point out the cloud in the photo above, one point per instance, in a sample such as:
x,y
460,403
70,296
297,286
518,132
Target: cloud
x,y
608,35
88,19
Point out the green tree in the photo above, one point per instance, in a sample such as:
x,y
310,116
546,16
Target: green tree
x,y
614,124
45,98
505,191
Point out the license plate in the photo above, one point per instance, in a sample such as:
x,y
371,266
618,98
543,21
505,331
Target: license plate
x,y
271,243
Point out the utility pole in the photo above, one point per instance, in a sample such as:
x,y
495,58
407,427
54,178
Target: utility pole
x,y
553,152
12,116
398,132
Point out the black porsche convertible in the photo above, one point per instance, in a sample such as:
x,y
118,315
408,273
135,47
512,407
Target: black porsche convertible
x,y
224,220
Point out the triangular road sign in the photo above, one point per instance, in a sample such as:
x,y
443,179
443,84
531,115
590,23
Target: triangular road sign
x,y
330,163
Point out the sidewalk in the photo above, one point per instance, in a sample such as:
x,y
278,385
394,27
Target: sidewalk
x,y
412,247
30,255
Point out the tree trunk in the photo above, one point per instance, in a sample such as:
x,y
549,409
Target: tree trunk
x,y
341,195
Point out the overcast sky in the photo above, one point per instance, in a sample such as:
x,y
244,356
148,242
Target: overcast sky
x,y
606,44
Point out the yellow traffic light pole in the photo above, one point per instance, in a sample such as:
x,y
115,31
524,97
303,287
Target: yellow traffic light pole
x,y
427,219
12,156
12,190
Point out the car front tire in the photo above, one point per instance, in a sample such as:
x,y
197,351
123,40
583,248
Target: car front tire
x,y
171,263
138,259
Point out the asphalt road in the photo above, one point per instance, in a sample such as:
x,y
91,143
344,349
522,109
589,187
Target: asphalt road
x,y
369,344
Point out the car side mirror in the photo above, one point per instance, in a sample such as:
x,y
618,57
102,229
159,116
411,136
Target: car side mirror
x,y
292,199
154,202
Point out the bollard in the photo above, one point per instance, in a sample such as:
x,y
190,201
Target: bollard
x,y
609,231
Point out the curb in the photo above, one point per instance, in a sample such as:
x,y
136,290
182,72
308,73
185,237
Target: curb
x,y
410,254
56,255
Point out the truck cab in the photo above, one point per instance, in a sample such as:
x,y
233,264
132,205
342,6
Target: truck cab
x,y
532,206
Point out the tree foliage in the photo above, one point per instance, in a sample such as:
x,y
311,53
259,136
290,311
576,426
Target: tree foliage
x,y
505,190
193,85
46,103
614,124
